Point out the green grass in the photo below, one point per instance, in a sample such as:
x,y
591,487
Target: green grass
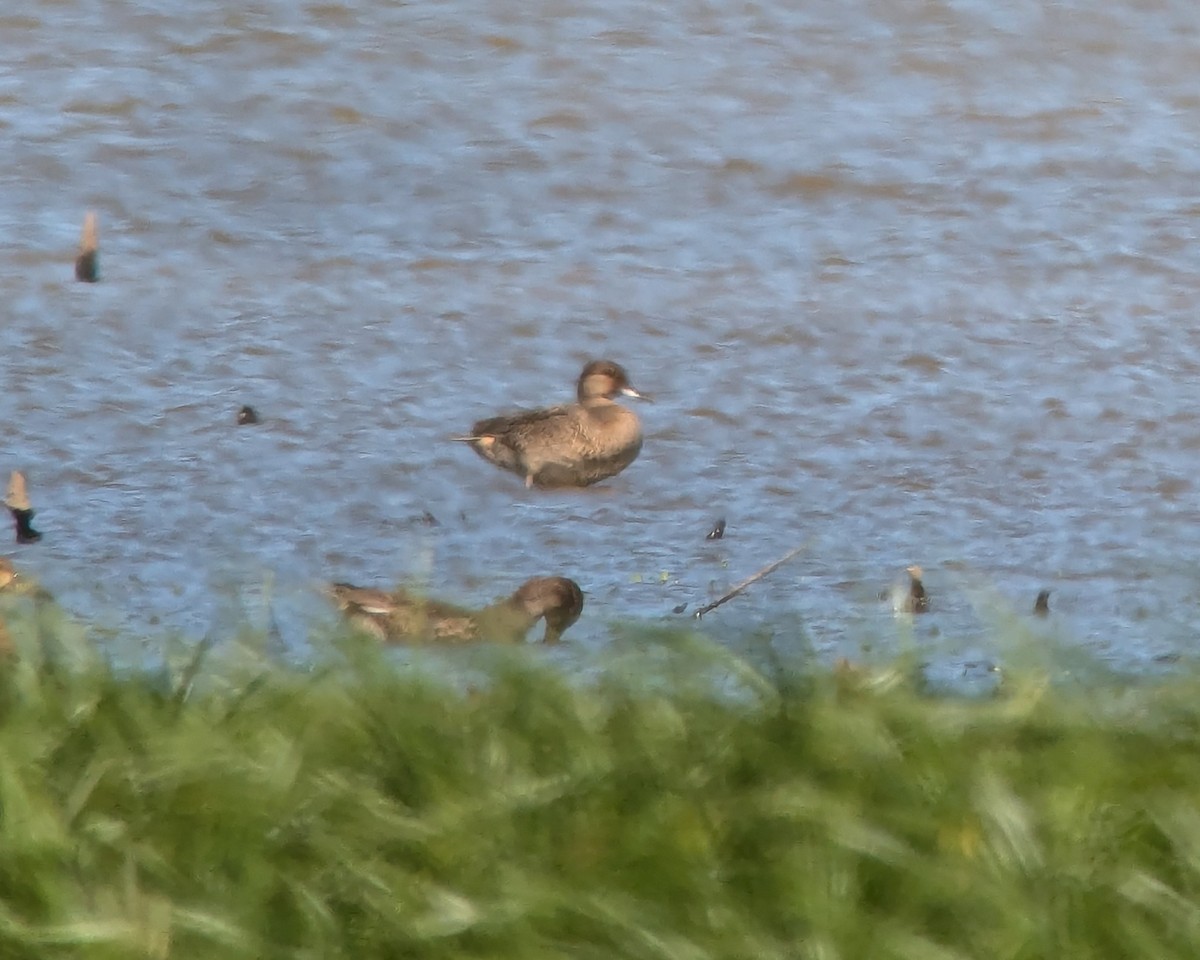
x,y
668,802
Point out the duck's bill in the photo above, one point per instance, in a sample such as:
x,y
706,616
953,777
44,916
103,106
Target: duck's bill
x,y
630,392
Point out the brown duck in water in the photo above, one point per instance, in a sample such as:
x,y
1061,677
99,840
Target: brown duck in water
x,y
911,598
574,445
401,617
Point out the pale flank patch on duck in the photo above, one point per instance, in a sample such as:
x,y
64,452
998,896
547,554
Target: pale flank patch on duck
x,y
573,445
402,617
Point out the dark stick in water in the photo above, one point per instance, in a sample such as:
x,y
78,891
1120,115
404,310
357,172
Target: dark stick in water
x,y
753,578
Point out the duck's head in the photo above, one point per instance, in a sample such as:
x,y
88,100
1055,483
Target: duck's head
x,y
604,378
558,599
915,573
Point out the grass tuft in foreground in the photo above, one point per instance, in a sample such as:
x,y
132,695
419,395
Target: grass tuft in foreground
x,y
674,803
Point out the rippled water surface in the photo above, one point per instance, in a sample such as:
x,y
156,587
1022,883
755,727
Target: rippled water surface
x,y
909,281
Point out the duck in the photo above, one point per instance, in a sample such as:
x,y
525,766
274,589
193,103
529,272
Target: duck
x,y
1041,606
247,416
401,617
912,599
573,445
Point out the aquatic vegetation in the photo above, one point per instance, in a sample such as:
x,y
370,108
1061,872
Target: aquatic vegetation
x,y
668,800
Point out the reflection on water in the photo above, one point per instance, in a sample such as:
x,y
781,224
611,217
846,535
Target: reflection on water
x,y
910,283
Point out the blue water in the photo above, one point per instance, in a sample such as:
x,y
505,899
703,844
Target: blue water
x,y
909,282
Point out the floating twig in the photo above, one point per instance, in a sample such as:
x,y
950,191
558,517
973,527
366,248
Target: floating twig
x,y
753,578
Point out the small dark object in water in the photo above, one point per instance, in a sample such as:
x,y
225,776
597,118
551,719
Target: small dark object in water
x,y
87,264
25,532
718,530
17,501
680,608
1041,606
247,416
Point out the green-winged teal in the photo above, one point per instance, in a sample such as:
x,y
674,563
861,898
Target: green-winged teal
x,y
574,445
402,617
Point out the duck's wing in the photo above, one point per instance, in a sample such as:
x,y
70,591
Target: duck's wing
x,y
519,429
518,442
416,618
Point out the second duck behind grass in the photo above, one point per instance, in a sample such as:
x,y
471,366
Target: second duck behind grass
x,y
402,617
573,445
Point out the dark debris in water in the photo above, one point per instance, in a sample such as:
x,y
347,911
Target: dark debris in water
x,y
1041,606
25,531
247,416
718,530
17,501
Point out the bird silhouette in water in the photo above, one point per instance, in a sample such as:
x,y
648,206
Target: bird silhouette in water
x,y
247,416
1041,606
401,617
573,445
910,598
17,501
87,264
